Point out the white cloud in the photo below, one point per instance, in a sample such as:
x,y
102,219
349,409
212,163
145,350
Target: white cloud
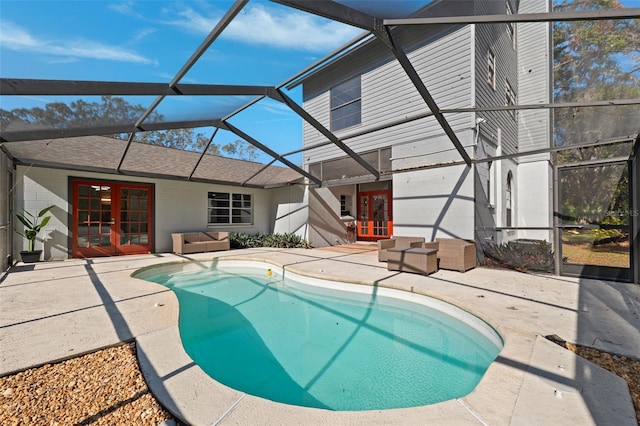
x,y
195,22
16,38
125,8
277,108
287,29
141,35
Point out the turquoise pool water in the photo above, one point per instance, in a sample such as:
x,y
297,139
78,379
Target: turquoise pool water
x,y
305,345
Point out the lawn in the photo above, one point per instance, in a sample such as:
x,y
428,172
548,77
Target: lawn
x,y
580,250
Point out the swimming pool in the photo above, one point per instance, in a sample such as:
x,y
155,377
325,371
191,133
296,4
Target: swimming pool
x,y
316,343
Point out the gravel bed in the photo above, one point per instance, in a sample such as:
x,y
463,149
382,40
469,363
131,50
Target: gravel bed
x,y
102,388
107,388
625,367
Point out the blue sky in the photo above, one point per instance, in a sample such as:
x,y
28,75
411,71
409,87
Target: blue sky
x,y
149,41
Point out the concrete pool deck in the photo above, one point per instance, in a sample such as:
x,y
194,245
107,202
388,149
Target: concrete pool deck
x,y
51,311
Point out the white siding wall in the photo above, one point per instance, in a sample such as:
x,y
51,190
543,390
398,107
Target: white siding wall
x,y
495,37
179,206
434,203
326,227
498,134
35,190
430,202
534,196
290,210
485,192
388,95
534,200
534,80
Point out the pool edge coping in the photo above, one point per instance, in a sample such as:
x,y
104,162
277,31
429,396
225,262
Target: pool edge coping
x,y
469,407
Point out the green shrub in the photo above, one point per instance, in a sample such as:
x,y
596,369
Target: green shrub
x,y
285,240
522,256
610,231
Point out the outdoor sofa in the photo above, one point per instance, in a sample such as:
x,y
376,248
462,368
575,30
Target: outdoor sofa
x,y
454,254
200,242
396,243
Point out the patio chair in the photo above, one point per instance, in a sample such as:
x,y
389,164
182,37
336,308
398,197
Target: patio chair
x,y
454,254
396,242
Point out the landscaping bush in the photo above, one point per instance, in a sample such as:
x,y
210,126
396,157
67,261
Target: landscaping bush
x,y
519,255
285,240
610,231
240,241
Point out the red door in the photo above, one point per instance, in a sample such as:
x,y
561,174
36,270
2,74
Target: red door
x,y
375,219
111,218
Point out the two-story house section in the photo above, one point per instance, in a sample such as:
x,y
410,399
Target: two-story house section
x,y
425,188
535,172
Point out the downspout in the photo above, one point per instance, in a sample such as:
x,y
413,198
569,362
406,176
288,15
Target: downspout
x,y
497,184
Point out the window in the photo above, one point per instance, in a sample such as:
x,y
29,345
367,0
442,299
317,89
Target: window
x,y
511,99
511,28
225,208
491,69
508,201
489,192
345,104
345,205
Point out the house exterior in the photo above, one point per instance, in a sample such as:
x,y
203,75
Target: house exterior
x,y
424,189
101,212
379,158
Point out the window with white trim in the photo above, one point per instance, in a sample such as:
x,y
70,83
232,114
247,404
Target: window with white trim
x,y
489,183
346,104
511,27
508,200
510,95
491,69
345,205
226,208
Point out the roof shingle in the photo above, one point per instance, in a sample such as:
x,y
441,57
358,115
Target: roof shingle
x,y
101,153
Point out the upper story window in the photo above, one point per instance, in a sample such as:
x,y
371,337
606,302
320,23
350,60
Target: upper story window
x,y
346,104
491,69
511,27
225,208
511,99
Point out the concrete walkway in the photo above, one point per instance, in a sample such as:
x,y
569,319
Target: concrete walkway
x,y
55,310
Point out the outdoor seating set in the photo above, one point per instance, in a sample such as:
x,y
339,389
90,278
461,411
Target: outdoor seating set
x,y
414,254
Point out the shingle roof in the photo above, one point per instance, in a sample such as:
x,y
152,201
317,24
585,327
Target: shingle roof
x,y
102,154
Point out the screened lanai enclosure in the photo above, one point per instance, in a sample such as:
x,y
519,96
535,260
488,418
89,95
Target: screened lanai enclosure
x,y
511,123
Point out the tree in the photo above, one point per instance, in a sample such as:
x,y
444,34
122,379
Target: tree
x,y
595,60
114,110
588,195
241,149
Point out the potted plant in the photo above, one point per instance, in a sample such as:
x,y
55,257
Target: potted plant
x,y
33,225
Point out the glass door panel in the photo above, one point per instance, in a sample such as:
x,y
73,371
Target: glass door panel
x,y
93,219
594,221
380,208
374,215
363,215
134,220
